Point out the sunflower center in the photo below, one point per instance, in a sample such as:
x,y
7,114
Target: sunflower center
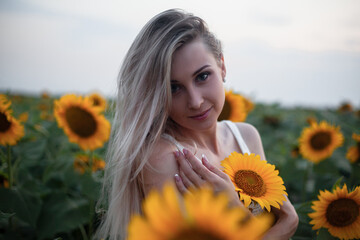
x,y
320,140
342,212
4,123
196,234
80,122
250,182
96,102
225,112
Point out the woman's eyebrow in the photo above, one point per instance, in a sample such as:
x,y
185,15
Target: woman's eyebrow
x,y
200,69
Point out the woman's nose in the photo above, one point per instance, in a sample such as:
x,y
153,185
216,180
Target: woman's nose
x,y
195,99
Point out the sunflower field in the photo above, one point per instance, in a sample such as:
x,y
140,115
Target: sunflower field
x,y
52,151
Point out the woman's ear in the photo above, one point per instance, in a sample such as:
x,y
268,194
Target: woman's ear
x,y
223,68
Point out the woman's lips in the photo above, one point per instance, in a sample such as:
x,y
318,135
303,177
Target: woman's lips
x,y
202,115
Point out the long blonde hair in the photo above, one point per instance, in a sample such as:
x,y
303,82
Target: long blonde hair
x,y
141,115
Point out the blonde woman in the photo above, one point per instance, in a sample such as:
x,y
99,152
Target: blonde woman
x,y
170,94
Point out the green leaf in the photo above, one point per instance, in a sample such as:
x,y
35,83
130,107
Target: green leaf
x,y
303,209
325,167
4,217
31,151
25,205
60,213
325,235
337,183
89,187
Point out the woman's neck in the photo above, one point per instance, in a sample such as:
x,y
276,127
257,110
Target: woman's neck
x,y
207,139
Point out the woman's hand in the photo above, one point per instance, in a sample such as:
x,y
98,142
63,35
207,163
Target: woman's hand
x,y
195,173
286,223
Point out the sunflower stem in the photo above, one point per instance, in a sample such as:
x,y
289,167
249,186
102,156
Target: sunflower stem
x,y
2,156
10,175
91,218
306,180
83,232
91,162
91,201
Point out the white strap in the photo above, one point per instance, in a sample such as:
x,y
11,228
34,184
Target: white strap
x,y
176,143
234,129
173,140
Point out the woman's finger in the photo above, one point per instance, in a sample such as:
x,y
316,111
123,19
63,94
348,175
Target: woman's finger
x,y
188,173
212,168
188,184
180,184
198,167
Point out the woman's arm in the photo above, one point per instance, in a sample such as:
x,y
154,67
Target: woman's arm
x,y
287,219
161,166
286,223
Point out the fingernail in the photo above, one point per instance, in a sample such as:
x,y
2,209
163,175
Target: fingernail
x,y
204,158
176,154
177,177
185,151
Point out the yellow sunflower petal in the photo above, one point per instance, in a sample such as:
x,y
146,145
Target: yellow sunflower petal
x,y
140,225
98,101
356,137
203,215
236,107
11,130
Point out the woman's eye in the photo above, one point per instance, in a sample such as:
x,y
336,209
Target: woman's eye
x,y
203,76
174,88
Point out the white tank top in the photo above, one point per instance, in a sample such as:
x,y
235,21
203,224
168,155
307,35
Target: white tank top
x,y
235,131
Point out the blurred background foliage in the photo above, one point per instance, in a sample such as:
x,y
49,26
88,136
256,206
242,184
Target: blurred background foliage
x,y
51,199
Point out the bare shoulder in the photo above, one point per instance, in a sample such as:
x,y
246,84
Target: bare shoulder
x,y
161,166
252,138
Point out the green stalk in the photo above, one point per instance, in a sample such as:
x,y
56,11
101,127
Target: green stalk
x,y
91,202
83,232
9,167
306,179
91,161
91,218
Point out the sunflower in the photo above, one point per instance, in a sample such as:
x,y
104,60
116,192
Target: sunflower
x,y
311,120
5,103
45,95
81,163
273,121
255,180
345,107
23,117
98,101
199,215
249,105
338,212
4,183
235,108
82,123
318,141
11,130
353,153
295,151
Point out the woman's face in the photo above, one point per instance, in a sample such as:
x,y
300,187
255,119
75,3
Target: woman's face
x,y
197,86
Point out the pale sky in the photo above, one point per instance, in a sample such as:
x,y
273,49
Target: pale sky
x,y
297,52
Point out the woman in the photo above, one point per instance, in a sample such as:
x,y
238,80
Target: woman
x,y
169,98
